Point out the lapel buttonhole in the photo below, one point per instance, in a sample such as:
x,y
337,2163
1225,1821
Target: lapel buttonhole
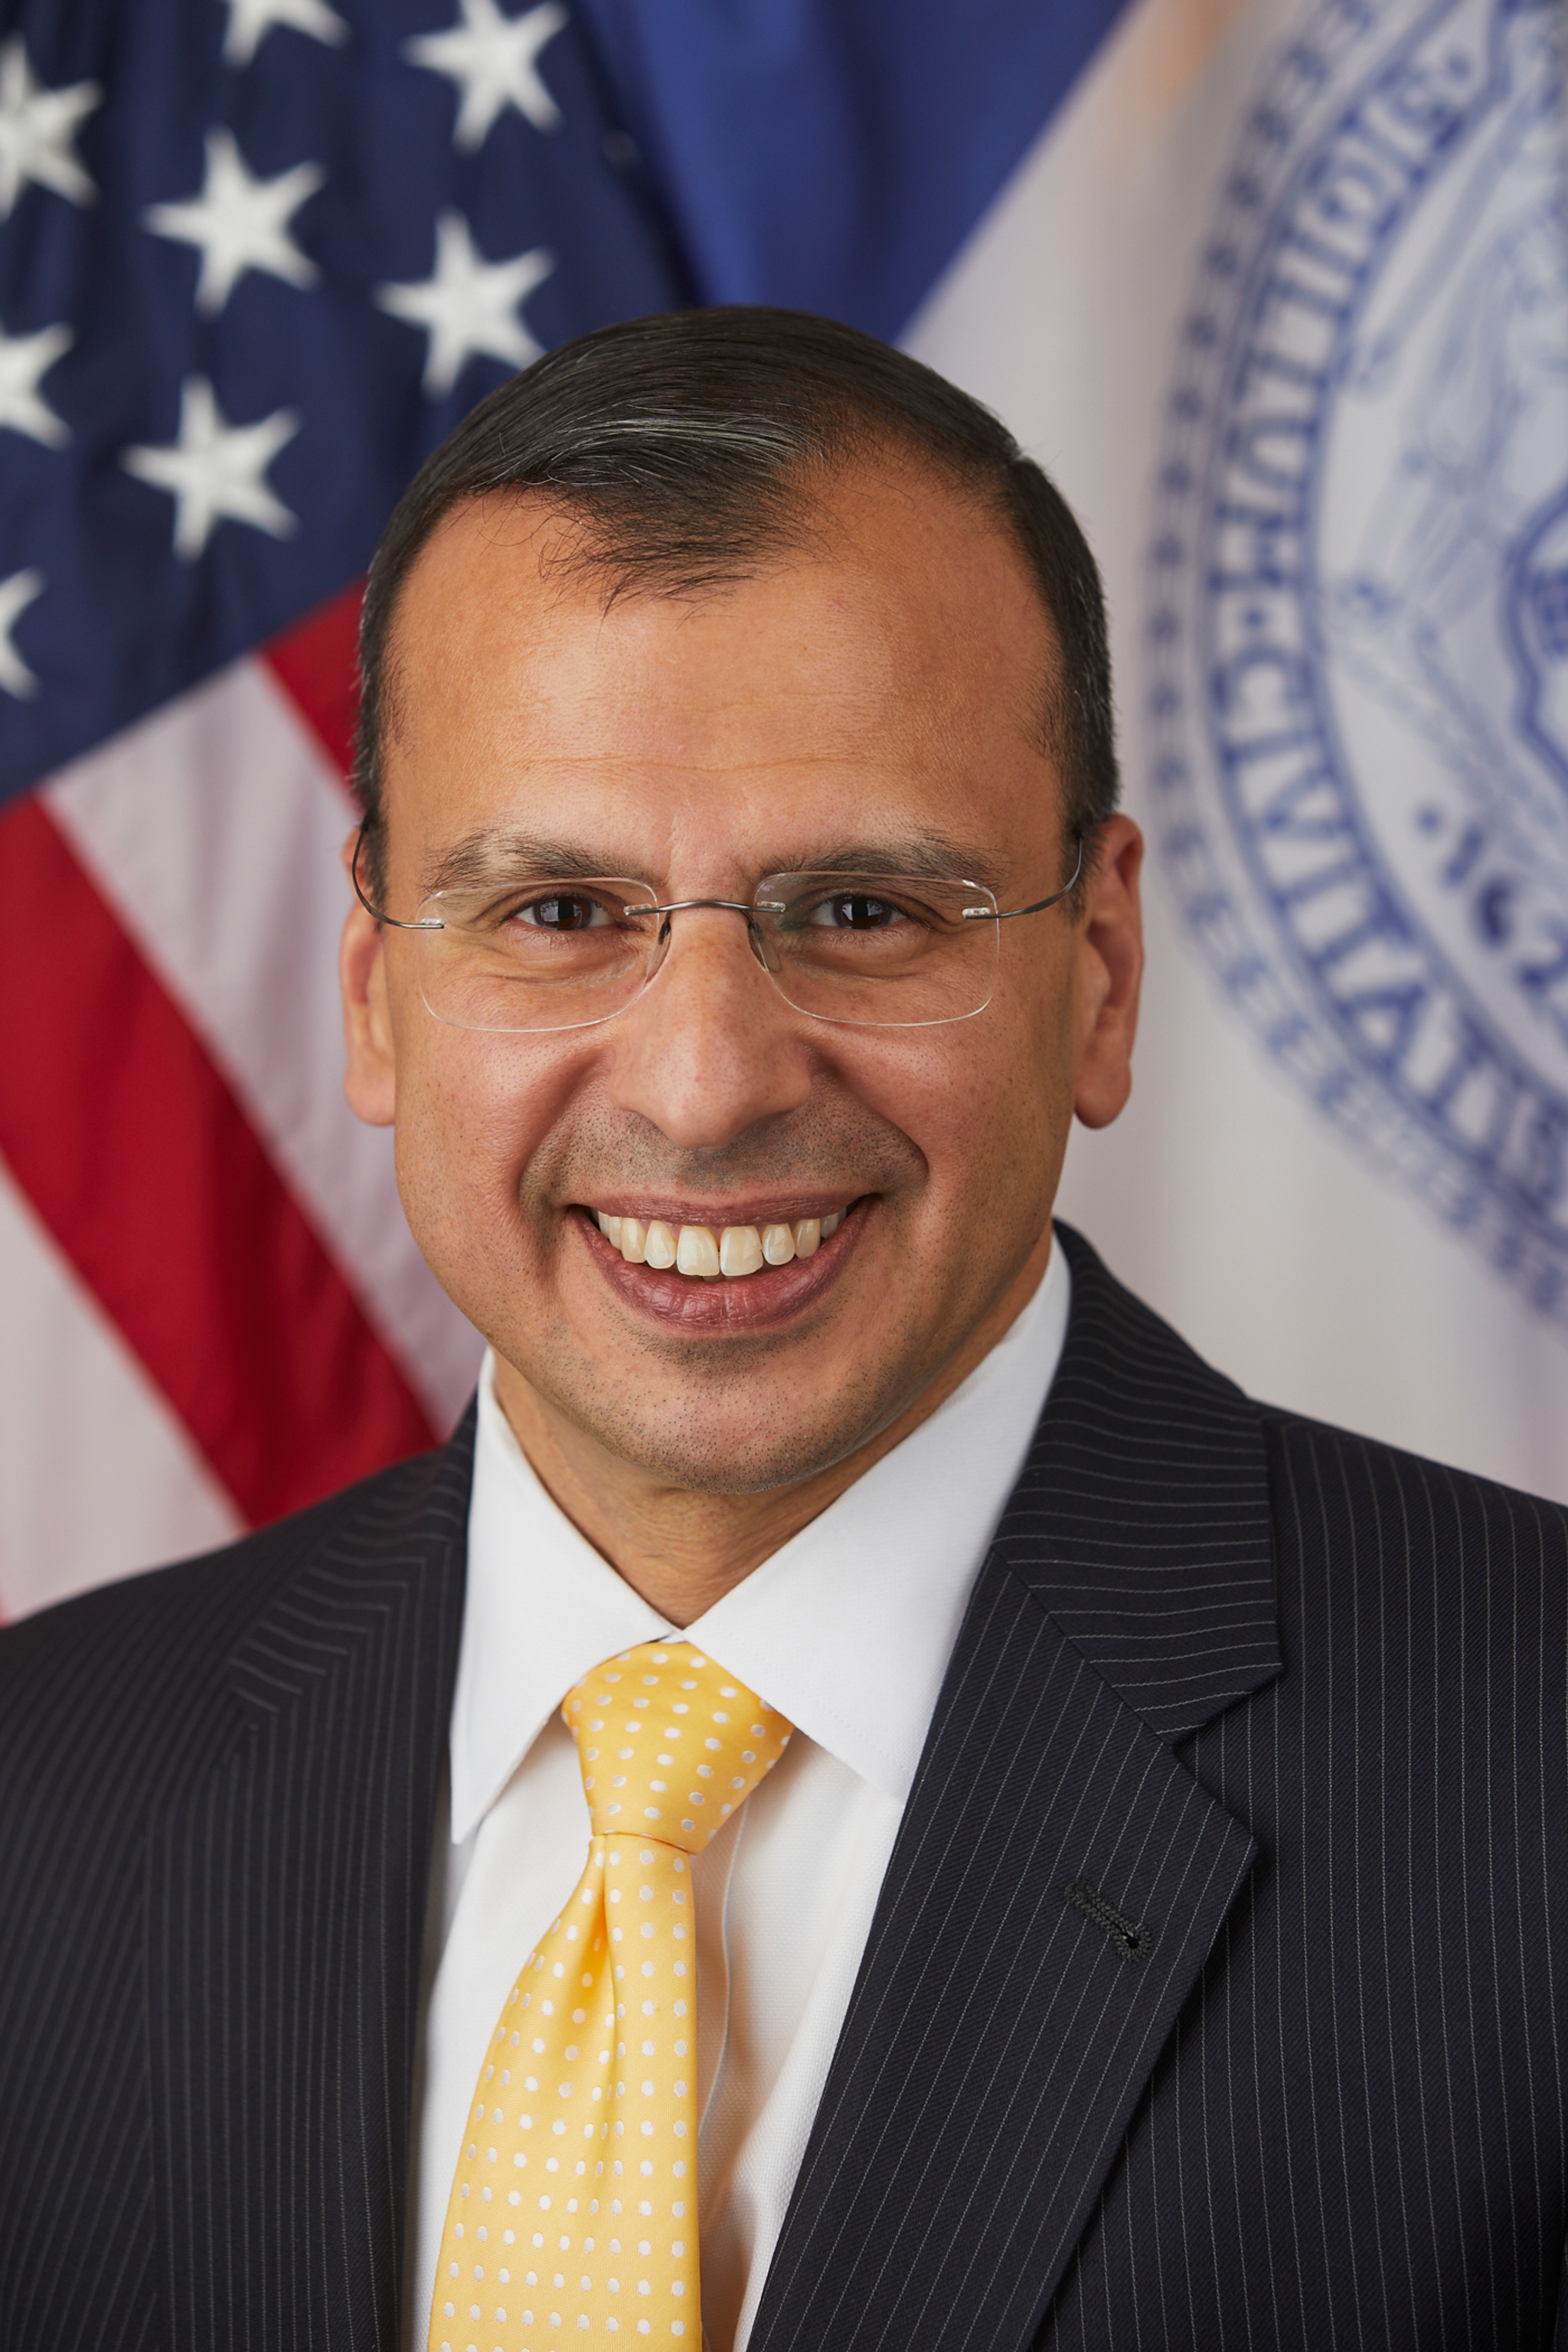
x,y
1131,1938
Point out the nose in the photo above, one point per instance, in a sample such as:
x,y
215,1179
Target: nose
x,y
709,1049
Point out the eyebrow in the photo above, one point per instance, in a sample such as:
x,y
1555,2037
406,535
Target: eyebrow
x,y
485,858
935,857
481,859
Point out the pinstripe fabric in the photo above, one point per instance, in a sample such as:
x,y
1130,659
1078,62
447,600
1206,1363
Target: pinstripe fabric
x,y
1142,1520
217,1786
1294,1707
1357,2136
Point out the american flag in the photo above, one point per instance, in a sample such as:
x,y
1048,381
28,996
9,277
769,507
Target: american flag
x,y
257,258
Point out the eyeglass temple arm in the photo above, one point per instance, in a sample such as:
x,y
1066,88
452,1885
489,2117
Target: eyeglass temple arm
x,y
379,913
1005,914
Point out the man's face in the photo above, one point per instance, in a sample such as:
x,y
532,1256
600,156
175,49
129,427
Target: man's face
x,y
878,693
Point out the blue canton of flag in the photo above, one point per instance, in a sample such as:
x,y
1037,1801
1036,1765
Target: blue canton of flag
x,y
256,259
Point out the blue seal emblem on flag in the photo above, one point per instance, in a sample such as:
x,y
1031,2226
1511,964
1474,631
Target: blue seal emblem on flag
x,y
1359,614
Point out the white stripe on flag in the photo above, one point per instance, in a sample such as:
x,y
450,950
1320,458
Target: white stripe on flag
x,y
213,828
100,1478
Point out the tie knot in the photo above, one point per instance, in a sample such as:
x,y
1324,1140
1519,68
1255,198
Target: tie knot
x,y
669,1744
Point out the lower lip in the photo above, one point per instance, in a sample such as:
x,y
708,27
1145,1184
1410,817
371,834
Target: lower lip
x,y
747,1302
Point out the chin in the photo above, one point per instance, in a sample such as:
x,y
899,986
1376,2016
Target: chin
x,y
745,1445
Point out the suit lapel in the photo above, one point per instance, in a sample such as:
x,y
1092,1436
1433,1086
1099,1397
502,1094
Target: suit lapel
x,y
286,1908
1059,1878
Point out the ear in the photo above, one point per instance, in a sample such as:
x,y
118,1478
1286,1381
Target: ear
x,y
1110,973
369,1080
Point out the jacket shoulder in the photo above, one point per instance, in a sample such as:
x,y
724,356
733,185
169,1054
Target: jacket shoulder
x,y
1359,1465
1356,1502
103,1674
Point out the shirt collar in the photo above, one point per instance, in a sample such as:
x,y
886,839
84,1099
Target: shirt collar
x,y
847,1629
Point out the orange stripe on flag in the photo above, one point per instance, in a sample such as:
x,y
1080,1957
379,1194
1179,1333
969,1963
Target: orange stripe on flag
x,y
136,1156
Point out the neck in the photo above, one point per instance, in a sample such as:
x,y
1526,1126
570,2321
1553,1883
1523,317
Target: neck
x,y
682,1549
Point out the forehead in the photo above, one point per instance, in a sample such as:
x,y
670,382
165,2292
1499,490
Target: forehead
x,y
891,669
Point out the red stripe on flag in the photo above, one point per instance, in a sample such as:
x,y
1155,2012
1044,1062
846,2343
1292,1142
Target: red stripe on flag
x,y
138,1159
317,664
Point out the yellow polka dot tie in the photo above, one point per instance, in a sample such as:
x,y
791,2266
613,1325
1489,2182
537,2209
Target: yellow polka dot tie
x,y
574,2206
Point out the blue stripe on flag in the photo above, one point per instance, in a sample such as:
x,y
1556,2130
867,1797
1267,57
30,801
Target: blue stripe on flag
x,y
835,155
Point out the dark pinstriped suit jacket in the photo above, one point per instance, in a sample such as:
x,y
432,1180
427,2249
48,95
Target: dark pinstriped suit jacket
x,y
1294,1705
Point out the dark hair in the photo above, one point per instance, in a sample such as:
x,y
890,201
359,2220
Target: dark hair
x,y
686,444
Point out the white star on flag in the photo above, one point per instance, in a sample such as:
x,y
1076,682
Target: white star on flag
x,y
216,469
16,594
494,60
470,304
37,127
250,20
25,360
239,222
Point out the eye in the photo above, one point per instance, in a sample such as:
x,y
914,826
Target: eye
x,y
855,910
561,910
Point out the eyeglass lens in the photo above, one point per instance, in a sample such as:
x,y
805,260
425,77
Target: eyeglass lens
x,y
878,951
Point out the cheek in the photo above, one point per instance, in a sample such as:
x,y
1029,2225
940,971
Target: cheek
x,y
996,1127
962,1096
472,1112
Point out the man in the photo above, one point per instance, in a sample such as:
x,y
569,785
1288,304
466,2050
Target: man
x,y
1082,1872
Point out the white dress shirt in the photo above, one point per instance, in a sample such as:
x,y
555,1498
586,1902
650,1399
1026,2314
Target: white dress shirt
x,y
846,1630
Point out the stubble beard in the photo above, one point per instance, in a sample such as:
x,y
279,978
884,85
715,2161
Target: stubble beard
x,y
713,1429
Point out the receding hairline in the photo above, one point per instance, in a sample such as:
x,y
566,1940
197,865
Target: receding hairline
x,y
591,549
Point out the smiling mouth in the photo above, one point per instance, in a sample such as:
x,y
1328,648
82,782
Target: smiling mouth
x,y
706,1254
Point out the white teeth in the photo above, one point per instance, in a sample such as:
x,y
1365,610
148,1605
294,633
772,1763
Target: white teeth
x,y
692,1250
697,1253
739,1250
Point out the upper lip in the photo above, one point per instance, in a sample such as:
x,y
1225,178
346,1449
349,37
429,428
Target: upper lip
x,y
787,1209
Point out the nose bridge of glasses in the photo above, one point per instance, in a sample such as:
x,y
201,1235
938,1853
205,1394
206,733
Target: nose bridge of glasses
x,y
682,905
720,906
